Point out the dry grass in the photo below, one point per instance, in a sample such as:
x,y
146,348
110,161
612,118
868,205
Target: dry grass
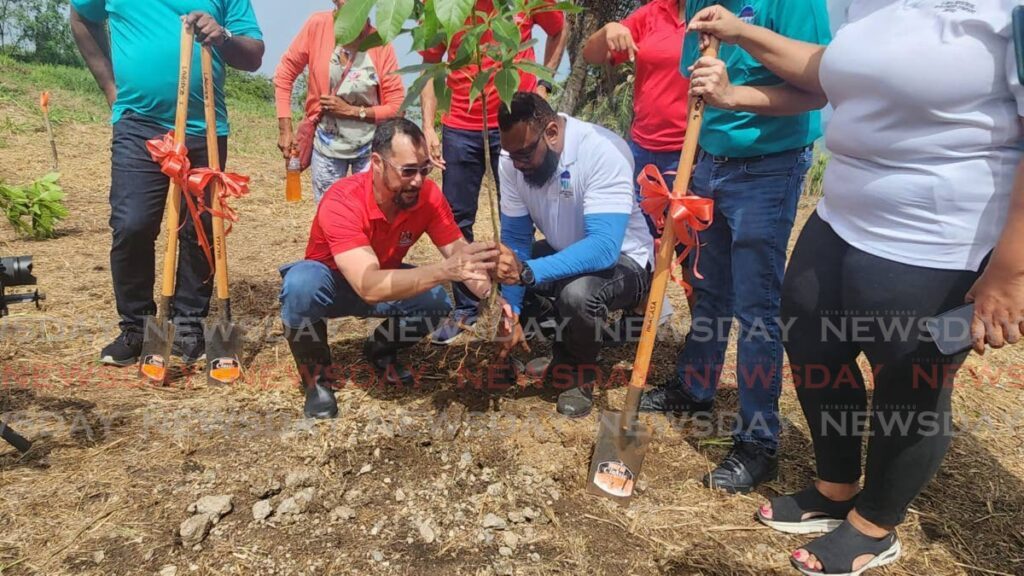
x,y
115,465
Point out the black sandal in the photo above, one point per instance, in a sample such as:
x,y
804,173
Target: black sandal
x,y
788,512
837,550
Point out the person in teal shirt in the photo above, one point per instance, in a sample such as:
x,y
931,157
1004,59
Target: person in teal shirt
x,y
136,67
753,166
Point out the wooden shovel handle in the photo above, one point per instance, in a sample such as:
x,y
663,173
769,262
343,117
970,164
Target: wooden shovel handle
x,y
666,250
173,209
220,253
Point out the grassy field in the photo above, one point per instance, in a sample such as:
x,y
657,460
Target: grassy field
x,y
444,479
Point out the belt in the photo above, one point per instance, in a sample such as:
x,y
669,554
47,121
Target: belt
x,y
728,159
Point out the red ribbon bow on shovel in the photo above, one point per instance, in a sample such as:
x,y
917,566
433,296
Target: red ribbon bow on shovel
x,y
689,214
171,156
231,186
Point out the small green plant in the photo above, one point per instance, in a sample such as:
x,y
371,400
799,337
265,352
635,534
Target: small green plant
x,y
34,209
816,175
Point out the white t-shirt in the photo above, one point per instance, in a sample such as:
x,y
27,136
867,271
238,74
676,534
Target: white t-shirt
x,y
594,176
925,137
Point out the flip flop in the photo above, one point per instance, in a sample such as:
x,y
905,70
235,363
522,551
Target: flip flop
x,y
837,550
788,512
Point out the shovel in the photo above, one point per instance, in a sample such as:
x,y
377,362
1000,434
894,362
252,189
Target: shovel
x,y
159,334
223,337
621,438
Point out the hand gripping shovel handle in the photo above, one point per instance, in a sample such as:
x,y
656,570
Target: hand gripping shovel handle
x,y
663,260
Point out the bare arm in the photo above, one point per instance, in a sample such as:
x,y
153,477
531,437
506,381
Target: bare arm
x,y
428,103
466,263
555,47
94,45
709,79
611,38
794,61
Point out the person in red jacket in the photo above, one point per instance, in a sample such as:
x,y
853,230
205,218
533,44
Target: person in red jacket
x,y
349,91
460,150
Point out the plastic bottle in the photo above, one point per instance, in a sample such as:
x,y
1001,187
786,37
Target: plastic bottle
x,y
293,181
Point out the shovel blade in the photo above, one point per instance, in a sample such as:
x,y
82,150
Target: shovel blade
x,y
156,350
618,455
223,352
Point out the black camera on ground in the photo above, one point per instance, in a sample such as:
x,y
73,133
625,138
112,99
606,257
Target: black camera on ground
x,y
17,271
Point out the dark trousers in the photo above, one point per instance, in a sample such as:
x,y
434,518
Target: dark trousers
x,y
580,306
841,302
463,153
138,195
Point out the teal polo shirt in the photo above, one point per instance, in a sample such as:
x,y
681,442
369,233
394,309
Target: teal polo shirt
x,y
743,134
145,44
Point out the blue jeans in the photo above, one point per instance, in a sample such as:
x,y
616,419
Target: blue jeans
x,y
324,171
665,161
742,259
312,292
463,153
138,195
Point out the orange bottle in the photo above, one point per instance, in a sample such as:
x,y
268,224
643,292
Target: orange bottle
x,y
293,181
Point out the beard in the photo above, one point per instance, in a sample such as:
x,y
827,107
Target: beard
x,y
407,197
541,175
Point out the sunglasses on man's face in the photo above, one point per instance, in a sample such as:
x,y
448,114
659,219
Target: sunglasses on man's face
x,y
525,154
409,172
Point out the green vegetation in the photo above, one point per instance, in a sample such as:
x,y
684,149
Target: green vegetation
x,y
816,175
34,209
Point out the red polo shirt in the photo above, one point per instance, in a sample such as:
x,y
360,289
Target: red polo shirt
x,y
348,217
463,117
659,90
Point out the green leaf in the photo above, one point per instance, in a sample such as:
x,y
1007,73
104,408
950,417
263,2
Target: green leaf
x,y
417,68
372,40
507,82
528,44
506,32
425,34
479,83
50,178
416,88
391,15
452,14
443,94
542,72
350,20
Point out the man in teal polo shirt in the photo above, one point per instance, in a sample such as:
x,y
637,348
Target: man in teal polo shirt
x,y
137,69
753,166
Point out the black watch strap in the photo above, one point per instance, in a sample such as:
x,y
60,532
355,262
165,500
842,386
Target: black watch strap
x,y
547,85
526,276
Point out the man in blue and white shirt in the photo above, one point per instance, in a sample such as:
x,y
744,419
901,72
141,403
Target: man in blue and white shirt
x,y
574,182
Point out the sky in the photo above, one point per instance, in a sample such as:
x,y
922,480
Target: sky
x,y
281,20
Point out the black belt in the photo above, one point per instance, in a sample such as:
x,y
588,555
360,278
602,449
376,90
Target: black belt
x,y
728,159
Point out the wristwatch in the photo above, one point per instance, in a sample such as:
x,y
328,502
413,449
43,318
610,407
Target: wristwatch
x,y
526,276
547,85
362,112
227,35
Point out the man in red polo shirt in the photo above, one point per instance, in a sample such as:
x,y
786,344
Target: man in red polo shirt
x,y
460,151
363,228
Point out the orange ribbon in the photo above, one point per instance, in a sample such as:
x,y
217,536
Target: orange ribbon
x,y
231,186
44,101
171,156
689,214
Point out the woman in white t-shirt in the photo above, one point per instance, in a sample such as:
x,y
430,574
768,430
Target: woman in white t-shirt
x,y
923,210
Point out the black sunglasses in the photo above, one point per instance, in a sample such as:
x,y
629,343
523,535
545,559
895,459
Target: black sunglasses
x,y
525,153
411,171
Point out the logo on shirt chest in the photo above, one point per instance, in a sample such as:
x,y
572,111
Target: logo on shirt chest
x,y
565,184
747,14
405,239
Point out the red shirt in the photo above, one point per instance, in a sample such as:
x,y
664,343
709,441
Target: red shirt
x,y
463,117
348,217
659,90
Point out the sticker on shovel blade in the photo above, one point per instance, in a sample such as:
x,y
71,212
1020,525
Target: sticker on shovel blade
x,y
154,367
225,370
614,478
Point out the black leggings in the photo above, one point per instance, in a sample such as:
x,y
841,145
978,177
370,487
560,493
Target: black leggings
x,y
842,301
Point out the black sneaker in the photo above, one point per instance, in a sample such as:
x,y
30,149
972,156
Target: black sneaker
x,y
190,347
745,467
672,399
124,350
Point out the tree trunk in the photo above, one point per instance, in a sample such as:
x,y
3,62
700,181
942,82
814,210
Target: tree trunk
x,y
595,14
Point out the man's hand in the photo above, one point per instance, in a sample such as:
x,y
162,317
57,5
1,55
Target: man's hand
x,y
998,298
718,22
509,267
510,332
434,148
208,31
470,262
709,80
620,40
285,142
337,107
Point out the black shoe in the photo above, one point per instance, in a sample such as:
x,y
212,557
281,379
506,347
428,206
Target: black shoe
x,y
313,359
190,347
386,364
747,465
576,403
671,398
124,350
